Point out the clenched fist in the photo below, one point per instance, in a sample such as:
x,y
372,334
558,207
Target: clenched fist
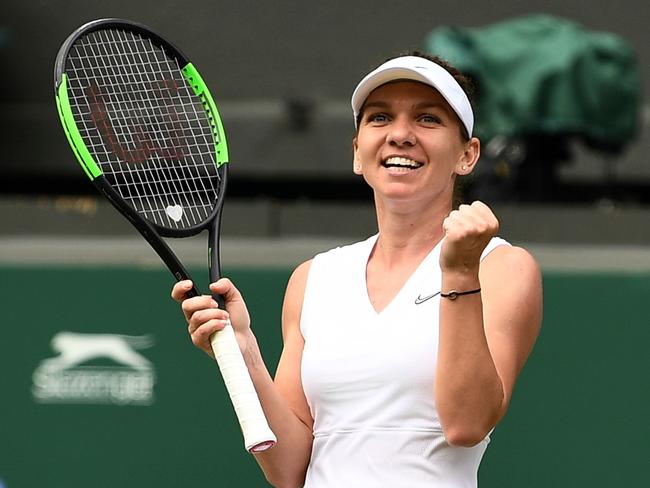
x,y
467,231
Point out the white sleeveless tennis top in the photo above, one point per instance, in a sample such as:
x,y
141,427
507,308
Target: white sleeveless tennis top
x,y
368,378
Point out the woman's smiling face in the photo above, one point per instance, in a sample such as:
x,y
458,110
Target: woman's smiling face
x,y
409,142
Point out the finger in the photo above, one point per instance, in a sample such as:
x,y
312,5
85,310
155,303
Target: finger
x,y
201,317
201,336
488,219
481,216
457,224
207,320
192,305
483,210
449,223
480,206
226,289
470,216
180,290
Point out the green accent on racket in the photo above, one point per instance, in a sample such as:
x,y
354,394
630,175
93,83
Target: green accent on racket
x,y
201,90
72,132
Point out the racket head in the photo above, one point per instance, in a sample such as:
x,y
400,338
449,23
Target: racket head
x,y
143,124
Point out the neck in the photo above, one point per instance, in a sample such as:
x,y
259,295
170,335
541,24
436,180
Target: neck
x,y
409,234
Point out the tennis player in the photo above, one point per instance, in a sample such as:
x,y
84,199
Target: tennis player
x,y
401,352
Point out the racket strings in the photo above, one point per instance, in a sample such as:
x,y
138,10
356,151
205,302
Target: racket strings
x,y
167,183
145,127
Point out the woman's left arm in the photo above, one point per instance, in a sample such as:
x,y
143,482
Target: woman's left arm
x,y
485,338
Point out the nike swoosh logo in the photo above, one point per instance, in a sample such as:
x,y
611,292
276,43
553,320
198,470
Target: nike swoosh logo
x,y
421,299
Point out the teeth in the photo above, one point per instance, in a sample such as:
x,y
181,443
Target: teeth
x,y
402,163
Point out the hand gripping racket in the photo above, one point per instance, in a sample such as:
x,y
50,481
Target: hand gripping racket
x,y
146,131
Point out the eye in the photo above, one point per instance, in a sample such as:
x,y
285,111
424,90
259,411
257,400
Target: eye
x,y
429,119
377,118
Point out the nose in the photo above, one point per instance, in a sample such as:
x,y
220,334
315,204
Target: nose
x,y
401,132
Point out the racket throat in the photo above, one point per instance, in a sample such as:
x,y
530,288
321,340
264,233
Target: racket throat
x,y
214,257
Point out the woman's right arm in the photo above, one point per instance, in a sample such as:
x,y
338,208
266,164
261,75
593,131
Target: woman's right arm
x,y
283,400
285,405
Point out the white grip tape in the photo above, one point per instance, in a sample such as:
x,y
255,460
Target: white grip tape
x,y
257,434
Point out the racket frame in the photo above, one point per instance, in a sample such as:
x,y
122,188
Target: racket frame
x,y
213,222
151,231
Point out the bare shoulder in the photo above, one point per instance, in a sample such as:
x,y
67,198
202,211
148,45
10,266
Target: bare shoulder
x,y
293,297
297,282
299,275
511,283
511,262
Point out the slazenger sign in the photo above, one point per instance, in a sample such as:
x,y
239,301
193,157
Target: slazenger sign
x,y
65,379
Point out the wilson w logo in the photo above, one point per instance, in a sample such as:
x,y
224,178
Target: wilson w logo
x,y
134,126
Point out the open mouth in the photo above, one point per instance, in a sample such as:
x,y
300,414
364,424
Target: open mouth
x,y
399,162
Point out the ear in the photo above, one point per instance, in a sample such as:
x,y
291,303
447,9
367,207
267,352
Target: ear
x,y
357,167
469,158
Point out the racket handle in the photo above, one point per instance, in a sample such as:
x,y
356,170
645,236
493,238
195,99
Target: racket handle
x,y
257,435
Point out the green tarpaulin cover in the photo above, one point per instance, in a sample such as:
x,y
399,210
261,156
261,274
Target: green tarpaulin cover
x,y
542,74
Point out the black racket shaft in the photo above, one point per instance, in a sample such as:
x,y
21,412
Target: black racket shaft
x,y
146,131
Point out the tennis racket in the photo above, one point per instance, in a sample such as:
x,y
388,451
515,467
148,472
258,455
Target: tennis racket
x,y
146,131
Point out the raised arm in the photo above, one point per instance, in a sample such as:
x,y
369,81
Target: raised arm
x,y
485,338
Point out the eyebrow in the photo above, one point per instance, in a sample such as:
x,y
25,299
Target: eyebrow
x,y
366,106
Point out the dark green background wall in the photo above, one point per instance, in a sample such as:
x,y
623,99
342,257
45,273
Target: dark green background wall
x,y
578,417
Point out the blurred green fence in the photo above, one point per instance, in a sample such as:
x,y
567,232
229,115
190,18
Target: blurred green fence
x,y
143,408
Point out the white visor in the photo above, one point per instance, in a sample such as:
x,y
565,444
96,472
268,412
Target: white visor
x,y
417,69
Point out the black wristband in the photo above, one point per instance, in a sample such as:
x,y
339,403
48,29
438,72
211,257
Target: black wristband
x,y
453,294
